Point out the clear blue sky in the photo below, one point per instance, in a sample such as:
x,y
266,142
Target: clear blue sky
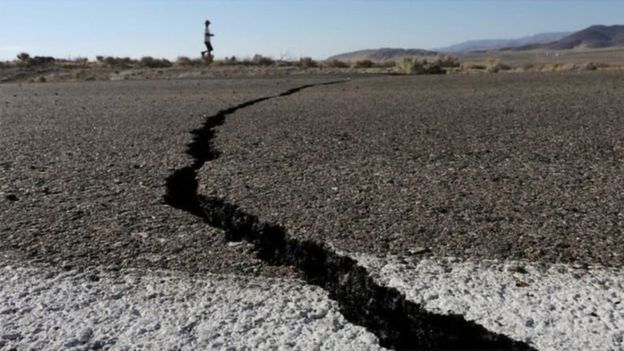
x,y
291,28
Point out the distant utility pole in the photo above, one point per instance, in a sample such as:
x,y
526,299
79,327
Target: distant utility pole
x,y
207,35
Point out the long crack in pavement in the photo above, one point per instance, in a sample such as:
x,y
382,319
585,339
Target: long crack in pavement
x,y
397,322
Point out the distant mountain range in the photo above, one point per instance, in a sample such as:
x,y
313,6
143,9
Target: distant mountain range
x,y
495,44
593,37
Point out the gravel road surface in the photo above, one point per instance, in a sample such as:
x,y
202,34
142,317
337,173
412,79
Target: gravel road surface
x,y
522,166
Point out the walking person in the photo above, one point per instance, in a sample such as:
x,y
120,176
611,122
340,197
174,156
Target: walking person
x,y
207,54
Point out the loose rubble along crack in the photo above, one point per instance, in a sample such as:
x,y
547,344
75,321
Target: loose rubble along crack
x,y
397,322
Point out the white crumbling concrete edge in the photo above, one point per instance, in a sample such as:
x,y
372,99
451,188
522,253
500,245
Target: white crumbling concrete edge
x,y
548,306
52,309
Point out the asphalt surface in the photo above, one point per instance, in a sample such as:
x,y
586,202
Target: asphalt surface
x,y
509,166
83,169
525,166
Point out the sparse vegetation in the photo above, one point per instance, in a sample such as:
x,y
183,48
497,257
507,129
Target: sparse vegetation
x,y
148,61
83,75
564,67
495,66
49,69
184,61
24,58
262,60
307,62
229,61
80,61
335,64
119,62
448,61
412,65
473,66
362,64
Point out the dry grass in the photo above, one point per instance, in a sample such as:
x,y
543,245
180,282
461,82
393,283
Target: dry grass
x,y
41,69
335,64
307,62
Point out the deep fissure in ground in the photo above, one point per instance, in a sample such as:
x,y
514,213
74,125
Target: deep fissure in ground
x,y
397,322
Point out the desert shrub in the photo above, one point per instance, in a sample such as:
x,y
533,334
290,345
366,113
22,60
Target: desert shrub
x,y
566,67
184,61
99,58
409,65
601,65
434,68
307,62
335,64
286,63
26,59
562,67
81,61
229,61
83,75
127,61
207,59
23,57
150,62
495,66
262,60
122,62
232,60
42,60
448,61
477,66
388,64
362,64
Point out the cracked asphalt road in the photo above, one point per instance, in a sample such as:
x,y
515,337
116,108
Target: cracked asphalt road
x,y
84,186
83,169
492,166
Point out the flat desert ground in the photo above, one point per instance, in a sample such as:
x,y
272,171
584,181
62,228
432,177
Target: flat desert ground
x,y
155,214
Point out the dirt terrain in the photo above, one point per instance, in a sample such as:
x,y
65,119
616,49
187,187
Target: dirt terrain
x,y
494,166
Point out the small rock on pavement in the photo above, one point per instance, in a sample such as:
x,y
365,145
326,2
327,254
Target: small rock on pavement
x,y
85,335
419,250
11,336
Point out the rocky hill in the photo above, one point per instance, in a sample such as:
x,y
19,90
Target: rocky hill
x,y
593,37
495,44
